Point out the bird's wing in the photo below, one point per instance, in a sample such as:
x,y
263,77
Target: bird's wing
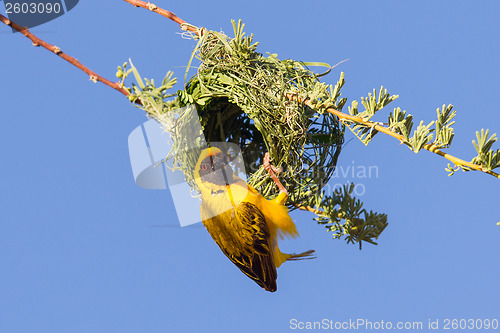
x,y
244,237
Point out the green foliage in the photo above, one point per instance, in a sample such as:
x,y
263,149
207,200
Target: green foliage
x,y
372,104
421,136
424,133
487,158
444,131
401,124
152,98
344,215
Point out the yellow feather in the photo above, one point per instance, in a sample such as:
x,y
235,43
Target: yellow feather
x,y
242,222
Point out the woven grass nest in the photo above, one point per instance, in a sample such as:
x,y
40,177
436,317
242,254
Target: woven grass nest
x,y
256,101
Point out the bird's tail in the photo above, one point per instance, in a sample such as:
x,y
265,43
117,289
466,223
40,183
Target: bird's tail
x,y
280,257
299,256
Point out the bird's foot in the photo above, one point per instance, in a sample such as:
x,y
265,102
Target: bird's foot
x,y
272,171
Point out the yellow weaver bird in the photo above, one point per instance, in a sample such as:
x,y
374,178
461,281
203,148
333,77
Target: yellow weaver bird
x,y
241,221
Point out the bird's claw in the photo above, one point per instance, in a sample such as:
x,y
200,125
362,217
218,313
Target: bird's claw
x,y
272,170
268,165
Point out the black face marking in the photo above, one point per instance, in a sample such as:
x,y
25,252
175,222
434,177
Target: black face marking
x,y
215,170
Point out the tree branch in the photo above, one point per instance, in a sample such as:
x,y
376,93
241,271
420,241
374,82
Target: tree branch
x,y
149,6
310,209
376,126
52,48
430,147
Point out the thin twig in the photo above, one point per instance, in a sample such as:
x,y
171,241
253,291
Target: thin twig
x,y
52,48
310,209
149,6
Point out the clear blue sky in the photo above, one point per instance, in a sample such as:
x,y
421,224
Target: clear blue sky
x,y
80,245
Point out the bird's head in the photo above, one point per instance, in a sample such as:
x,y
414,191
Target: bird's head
x,y
212,170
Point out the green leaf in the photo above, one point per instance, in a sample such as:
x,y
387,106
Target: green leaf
x,y
136,75
421,136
